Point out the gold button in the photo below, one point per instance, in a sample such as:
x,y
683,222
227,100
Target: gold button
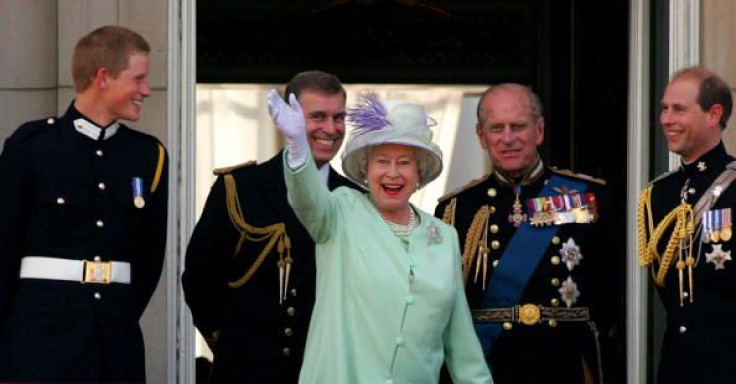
x,y
99,153
60,201
101,186
100,223
555,240
98,296
288,332
287,351
492,192
495,244
555,260
552,323
494,228
293,291
291,311
555,302
555,282
495,263
492,209
508,326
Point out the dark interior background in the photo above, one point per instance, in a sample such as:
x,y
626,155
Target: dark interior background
x,y
574,53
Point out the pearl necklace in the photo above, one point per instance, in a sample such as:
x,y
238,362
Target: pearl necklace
x,y
402,229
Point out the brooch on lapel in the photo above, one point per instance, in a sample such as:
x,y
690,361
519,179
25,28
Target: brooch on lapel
x,y
435,237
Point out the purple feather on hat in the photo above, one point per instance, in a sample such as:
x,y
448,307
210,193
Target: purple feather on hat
x,y
369,115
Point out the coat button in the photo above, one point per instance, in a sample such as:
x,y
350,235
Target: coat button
x,y
495,244
508,326
555,282
495,263
555,260
555,302
494,228
491,192
293,291
101,186
288,332
100,223
287,351
97,296
50,120
410,300
60,201
97,258
492,209
555,240
683,329
98,153
291,311
552,323
400,341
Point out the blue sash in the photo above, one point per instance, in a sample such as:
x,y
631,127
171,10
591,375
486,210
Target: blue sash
x,y
518,262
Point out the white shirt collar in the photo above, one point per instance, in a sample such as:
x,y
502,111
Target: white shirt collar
x,y
92,131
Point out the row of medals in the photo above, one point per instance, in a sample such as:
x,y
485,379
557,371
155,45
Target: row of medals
x,y
716,225
558,210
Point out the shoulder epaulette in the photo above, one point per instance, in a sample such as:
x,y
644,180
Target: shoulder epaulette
x,y
224,170
575,175
465,187
30,129
663,176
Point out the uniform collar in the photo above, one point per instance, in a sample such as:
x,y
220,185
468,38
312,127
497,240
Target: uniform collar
x,y
531,175
86,127
714,160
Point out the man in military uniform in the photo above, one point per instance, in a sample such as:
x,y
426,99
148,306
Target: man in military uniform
x,y
250,268
83,225
685,222
532,245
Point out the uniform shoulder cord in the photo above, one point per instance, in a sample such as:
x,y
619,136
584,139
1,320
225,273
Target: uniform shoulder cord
x,y
684,227
274,233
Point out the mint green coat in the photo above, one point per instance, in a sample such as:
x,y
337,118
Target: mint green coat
x,y
386,311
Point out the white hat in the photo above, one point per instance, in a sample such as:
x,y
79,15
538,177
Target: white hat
x,y
390,122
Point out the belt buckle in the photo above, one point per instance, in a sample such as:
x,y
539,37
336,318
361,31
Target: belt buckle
x,y
529,314
97,272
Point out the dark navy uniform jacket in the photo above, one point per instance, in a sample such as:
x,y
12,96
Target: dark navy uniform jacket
x,y
66,195
545,352
260,339
699,344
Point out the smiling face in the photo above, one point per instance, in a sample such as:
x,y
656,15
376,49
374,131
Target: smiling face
x,y
690,131
509,132
325,118
125,92
392,171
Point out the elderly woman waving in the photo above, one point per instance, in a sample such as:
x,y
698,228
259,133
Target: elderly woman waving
x,y
390,302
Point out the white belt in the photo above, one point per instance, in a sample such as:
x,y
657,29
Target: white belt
x,y
83,271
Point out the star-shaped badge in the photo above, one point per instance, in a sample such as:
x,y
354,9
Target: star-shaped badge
x,y
718,257
570,253
569,292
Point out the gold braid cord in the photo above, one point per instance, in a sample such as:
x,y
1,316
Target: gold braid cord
x,y
472,239
684,227
449,215
273,234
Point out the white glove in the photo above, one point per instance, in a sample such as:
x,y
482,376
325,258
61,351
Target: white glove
x,y
289,120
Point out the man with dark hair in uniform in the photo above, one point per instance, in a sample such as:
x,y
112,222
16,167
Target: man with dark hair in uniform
x,y
83,226
532,245
250,267
685,236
